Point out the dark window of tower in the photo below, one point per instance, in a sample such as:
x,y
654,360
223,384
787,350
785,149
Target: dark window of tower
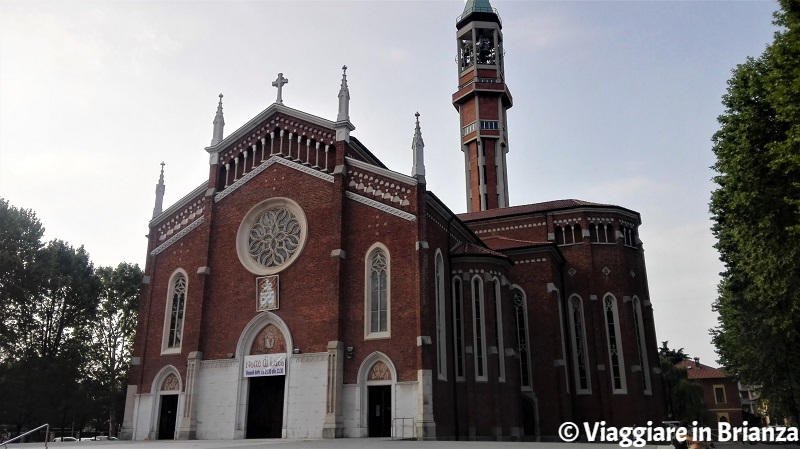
x,y
485,47
489,124
559,231
466,53
577,233
458,328
470,128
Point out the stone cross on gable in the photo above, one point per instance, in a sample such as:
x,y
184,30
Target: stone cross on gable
x,y
279,84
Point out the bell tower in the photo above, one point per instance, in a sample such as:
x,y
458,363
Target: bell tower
x,y
482,100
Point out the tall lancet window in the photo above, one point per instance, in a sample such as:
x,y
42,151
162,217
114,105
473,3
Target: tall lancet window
x,y
641,345
523,342
458,328
377,298
579,353
615,357
441,323
479,328
175,310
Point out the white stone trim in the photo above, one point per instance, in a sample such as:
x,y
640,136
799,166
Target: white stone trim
x,y
274,108
382,171
263,166
177,237
380,206
179,204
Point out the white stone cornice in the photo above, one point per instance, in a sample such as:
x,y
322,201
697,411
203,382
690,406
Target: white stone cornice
x,y
382,171
263,166
177,206
380,206
177,237
246,129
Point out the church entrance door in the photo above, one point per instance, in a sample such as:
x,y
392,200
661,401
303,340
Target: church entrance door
x,y
265,407
167,416
379,410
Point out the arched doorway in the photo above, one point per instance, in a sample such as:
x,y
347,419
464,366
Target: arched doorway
x,y
267,383
167,386
377,377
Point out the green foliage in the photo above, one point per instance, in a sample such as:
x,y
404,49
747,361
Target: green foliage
x,y
756,210
67,329
674,356
683,398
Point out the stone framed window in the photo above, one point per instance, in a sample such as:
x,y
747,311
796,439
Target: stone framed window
x,y
523,340
479,329
641,344
441,321
580,354
271,236
498,329
174,313
616,357
377,298
458,328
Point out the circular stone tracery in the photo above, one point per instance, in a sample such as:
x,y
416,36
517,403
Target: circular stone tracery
x,y
274,237
271,236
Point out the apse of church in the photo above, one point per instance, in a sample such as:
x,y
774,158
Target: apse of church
x,y
500,323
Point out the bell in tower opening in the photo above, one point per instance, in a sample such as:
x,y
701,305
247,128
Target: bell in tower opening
x,y
486,47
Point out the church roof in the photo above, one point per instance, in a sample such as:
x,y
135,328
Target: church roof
x,y
697,370
482,10
470,249
547,206
499,242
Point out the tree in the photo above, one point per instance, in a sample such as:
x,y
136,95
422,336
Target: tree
x,y
674,356
756,211
20,242
683,398
112,337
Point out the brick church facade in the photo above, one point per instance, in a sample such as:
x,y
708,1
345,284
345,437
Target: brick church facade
x,y
306,290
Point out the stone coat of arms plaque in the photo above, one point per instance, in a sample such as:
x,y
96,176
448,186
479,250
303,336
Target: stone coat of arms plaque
x,y
266,293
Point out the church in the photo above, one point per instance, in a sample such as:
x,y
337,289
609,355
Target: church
x,y
306,290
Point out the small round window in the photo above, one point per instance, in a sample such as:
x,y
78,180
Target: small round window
x,y
271,236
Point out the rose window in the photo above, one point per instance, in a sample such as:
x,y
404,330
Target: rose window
x,y
271,236
274,237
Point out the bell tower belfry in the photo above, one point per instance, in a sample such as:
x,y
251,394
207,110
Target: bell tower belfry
x,y
482,100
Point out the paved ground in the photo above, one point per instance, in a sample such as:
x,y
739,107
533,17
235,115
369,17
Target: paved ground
x,y
357,443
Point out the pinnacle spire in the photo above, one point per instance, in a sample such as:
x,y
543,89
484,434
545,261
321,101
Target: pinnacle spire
x,y
159,193
344,99
343,125
219,124
417,147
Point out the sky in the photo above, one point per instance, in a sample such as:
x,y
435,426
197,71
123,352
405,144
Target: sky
x,y
615,102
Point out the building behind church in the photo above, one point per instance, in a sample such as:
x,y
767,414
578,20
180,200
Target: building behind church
x,y
306,290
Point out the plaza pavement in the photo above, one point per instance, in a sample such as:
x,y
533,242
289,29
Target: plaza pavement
x,y
356,443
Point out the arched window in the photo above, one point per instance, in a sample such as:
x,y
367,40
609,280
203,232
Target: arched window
x,y
629,234
441,322
175,310
478,328
523,346
458,328
615,356
641,344
601,233
498,331
569,234
378,301
579,353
